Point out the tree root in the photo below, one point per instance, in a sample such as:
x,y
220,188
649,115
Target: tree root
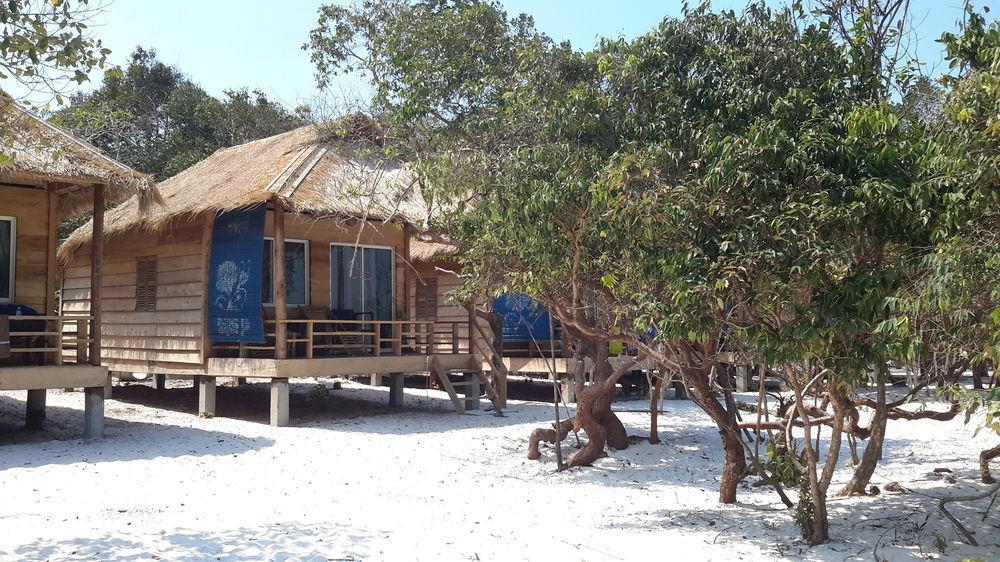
x,y
549,436
984,464
969,537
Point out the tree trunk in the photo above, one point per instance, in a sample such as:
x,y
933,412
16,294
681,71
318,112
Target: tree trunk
x,y
614,430
735,466
979,373
984,463
655,394
873,452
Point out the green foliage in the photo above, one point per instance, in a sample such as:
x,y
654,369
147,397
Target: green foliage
x,y
153,118
778,461
45,43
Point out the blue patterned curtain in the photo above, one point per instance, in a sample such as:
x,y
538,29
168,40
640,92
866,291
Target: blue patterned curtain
x,y
234,289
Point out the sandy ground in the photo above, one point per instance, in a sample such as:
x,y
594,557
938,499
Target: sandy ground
x,y
354,479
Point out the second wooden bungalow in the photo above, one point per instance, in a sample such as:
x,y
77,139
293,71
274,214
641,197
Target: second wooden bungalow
x,y
195,286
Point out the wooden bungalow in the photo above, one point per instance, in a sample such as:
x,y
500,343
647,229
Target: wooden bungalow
x,y
46,175
195,287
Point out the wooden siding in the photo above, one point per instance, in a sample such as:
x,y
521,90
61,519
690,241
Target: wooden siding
x,y
30,206
167,339
447,309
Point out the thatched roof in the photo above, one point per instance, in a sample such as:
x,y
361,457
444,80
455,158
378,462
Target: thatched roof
x,y
307,172
427,251
34,149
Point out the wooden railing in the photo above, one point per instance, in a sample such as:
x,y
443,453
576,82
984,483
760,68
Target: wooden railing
x,y
50,340
308,338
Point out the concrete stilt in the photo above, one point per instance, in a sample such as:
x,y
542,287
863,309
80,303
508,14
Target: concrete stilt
x,y
279,402
108,384
34,416
160,382
376,379
396,389
742,378
568,389
206,397
472,391
93,412
194,382
240,381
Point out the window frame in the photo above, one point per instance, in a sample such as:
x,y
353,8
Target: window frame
x,y
392,251
268,300
13,259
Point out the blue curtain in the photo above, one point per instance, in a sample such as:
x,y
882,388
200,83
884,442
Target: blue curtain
x,y
234,288
523,318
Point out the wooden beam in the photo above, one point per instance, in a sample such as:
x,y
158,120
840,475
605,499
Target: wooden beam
x,y
96,260
51,285
65,376
206,248
280,290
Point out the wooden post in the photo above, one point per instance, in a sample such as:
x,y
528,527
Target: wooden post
x,y
280,290
206,265
51,285
279,402
407,272
397,338
34,416
96,261
81,346
160,381
206,397
456,347
742,378
309,339
472,328
377,339
429,338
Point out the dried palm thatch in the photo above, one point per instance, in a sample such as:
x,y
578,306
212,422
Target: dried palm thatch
x,y
34,149
307,170
428,251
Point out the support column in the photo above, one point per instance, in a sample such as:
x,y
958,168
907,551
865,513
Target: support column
x,y
160,382
96,261
108,385
568,389
93,412
742,378
375,379
280,290
34,416
472,391
396,389
206,397
279,402
240,381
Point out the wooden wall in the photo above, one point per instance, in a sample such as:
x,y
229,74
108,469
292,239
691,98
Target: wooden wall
x,y
447,309
321,233
30,206
168,340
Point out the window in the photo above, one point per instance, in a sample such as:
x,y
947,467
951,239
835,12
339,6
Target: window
x,y
8,238
361,281
296,272
145,284
427,299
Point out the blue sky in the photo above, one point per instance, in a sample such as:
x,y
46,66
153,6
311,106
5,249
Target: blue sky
x,y
225,44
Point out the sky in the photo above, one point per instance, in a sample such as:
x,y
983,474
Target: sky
x,y
229,44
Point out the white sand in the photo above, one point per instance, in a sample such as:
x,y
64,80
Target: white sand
x,y
426,484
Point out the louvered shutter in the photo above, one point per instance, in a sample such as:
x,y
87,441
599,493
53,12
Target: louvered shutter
x,y
427,299
145,284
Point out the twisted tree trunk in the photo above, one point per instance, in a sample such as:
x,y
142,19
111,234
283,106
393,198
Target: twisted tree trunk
x,y
873,452
984,464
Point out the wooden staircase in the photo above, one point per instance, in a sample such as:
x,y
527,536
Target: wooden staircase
x,y
474,382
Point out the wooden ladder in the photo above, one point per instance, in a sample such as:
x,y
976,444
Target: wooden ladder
x,y
472,388
483,347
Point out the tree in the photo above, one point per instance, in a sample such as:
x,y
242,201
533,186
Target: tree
x,y
155,119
